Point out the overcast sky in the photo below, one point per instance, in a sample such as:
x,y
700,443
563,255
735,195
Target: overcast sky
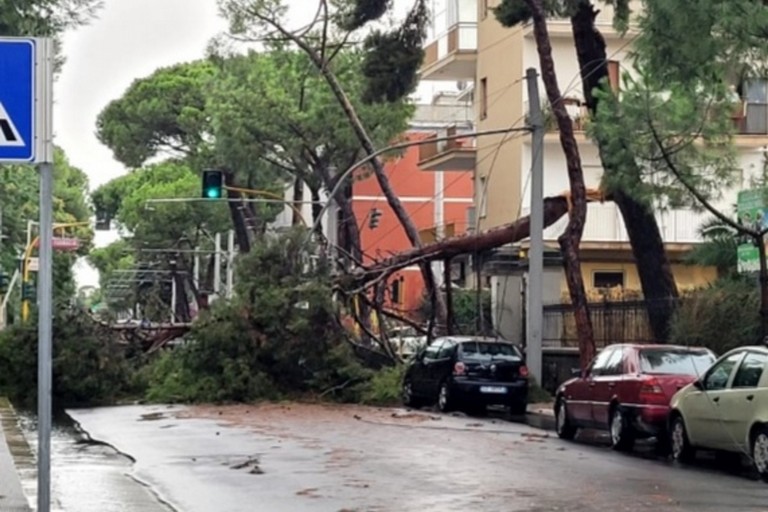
x,y
128,40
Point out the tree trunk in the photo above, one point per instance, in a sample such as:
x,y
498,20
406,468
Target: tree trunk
x,y
386,188
298,200
317,207
656,279
569,241
554,209
237,212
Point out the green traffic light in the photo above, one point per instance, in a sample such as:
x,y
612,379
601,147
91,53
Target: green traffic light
x,y
213,193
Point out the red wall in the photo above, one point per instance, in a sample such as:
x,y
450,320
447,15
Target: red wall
x,y
416,189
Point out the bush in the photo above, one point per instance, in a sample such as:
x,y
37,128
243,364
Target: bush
x,y
278,336
720,317
385,387
89,366
465,310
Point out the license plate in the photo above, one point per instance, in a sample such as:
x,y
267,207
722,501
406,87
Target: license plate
x,y
493,389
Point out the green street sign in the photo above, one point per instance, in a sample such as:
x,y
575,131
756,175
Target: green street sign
x,y
752,208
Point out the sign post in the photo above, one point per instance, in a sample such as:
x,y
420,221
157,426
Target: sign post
x,y
26,137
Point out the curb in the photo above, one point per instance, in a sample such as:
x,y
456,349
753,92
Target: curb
x,y
15,456
540,416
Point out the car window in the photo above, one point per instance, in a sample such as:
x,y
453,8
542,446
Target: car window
x,y
487,350
718,375
663,361
601,361
446,350
433,350
750,371
615,363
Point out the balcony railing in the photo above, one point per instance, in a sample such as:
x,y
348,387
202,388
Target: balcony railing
x,y
447,155
605,224
748,118
451,56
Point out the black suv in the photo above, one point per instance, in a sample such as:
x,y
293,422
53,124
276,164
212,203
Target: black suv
x,y
468,373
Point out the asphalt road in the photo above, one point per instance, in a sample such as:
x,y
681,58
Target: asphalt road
x,y
343,459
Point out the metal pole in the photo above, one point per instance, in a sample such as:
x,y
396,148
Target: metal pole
x,y
217,266
230,264
536,254
196,268
173,299
45,278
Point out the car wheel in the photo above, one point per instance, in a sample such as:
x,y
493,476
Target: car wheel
x,y
518,409
409,400
444,399
680,445
759,452
622,436
563,426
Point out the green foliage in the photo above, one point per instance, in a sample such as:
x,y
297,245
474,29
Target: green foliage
x,y
89,366
385,387
278,336
652,129
465,310
393,59
711,41
162,112
361,12
276,107
719,248
44,17
720,317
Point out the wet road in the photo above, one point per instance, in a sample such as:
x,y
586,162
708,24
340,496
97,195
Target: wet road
x,y
343,459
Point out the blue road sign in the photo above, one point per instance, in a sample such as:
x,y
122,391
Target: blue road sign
x,y
18,130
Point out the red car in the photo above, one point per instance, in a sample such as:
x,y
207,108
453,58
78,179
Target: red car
x,y
626,391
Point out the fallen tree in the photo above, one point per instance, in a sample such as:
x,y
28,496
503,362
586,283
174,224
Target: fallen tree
x,y
554,209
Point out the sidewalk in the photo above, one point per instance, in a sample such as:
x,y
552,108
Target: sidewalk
x,y
12,497
541,416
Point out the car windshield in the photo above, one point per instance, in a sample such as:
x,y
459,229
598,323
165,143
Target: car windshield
x,y
675,362
489,350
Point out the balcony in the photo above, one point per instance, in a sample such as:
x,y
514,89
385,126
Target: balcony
x,y
605,225
447,155
452,55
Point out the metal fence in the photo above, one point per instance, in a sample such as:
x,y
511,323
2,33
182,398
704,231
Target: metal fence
x,y
612,322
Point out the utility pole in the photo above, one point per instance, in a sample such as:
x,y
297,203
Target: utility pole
x,y
216,266
230,264
196,268
535,320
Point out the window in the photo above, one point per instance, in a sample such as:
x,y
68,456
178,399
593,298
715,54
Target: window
x,y
433,350
750,371
757,106
482,196
607,279
486,350
447,350
614,75
615,365
396,291
483,98
601,361
659,361
717,377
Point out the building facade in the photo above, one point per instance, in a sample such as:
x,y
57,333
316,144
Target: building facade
x,y
470,50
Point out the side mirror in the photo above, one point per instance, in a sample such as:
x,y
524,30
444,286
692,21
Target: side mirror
x,y
698,384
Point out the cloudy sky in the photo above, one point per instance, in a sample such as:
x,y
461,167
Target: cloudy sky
x,y
128,40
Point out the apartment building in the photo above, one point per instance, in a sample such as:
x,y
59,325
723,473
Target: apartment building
x,y
438,200
470,50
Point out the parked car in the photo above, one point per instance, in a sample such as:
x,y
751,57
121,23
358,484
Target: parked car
x,y
467,373
627,390
725,410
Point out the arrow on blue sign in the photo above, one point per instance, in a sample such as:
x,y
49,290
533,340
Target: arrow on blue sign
x,y
17,100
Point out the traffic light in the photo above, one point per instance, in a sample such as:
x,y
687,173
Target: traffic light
x,y
373,220
4,282
28,291
213,184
